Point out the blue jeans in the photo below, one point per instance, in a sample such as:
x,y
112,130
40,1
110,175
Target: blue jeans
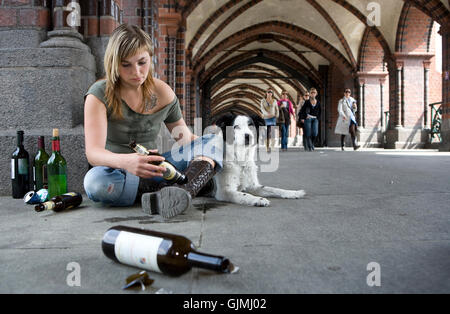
x,y
311,129
284,136
118,187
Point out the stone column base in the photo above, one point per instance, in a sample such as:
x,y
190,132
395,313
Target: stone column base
x,y
406,138
372,138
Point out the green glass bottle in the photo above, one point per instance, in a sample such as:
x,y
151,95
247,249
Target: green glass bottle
x,y
40,177
56,169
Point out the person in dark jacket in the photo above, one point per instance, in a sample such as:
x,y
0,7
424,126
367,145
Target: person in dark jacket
x,y
310,115
284,121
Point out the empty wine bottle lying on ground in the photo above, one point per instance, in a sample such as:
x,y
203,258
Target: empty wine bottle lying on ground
x,y
61,202
165,253
171,174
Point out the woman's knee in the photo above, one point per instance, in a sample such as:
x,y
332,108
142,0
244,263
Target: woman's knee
x,y
100,184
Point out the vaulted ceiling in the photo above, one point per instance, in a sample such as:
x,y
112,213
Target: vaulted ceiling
x,y
245,46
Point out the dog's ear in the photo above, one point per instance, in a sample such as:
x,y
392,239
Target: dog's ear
x,y
258,121
223,121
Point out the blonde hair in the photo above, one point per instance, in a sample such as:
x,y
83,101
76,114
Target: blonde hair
x,y
125,41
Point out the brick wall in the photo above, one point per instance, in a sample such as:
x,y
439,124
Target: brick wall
x,y
24,13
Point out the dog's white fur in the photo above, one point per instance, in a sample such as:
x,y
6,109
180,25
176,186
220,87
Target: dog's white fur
x,y
238,181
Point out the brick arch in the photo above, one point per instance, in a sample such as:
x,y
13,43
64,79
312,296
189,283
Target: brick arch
x,y
414,30
335,28
211,20
362,17
371,54
282,40
235,94
433,8
293,83
236,105
213,72
306,38
242,87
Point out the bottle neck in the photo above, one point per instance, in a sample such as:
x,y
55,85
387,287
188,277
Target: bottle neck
x,y
19,139
212,262
55,144
41,142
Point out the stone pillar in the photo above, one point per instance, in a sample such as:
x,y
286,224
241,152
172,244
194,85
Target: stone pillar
x,y
169,24
370,108
407,113
426,90
445,125
43,87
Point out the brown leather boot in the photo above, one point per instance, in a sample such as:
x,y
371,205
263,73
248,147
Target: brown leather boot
x,y
173,200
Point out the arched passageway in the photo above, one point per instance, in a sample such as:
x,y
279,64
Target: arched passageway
x,y
385,51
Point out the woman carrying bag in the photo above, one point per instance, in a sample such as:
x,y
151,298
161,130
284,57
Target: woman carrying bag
x,y
346,123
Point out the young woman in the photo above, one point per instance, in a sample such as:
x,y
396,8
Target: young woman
x,y
285,108
270,113
310,115
346,123
130,104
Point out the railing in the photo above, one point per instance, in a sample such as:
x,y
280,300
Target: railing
x,y
436,119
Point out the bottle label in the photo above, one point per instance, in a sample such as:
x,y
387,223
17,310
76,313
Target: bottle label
x,y
22,166
49,205
70,194
170,172
138,250
13,172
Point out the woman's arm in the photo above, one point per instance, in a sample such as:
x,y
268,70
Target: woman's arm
x,y
180,132
95,130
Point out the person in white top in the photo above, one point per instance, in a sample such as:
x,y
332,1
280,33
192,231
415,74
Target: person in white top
x,y
346,123
269,110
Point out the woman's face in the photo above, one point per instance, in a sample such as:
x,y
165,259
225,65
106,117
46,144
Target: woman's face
x,y
134,70
313,94
306,96
269,93
347,93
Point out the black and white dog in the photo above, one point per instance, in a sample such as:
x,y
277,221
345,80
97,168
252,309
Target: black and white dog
x,y
238,181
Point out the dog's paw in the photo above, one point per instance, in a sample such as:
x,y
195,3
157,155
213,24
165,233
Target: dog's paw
x,y
294,194
261,202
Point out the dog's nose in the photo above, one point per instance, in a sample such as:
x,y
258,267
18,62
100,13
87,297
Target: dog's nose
x,y
247,139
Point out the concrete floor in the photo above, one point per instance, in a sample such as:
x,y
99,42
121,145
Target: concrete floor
x,y
383,206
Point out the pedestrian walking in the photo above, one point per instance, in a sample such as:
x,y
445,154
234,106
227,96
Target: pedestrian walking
x,y
270,114
346,123
286,109
310,115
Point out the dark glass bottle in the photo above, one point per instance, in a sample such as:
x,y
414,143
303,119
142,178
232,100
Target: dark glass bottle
x,y
56,169
166,253
171,174
40,178
20,172
61,202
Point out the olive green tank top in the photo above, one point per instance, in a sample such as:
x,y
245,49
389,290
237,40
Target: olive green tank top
x,y
143,128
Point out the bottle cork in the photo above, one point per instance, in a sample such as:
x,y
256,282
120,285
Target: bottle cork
x,y
55,132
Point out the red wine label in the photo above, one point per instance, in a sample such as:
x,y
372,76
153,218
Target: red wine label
x,y
138,250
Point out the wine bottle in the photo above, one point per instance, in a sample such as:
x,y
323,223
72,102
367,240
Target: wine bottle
x,y
165,253
56,169
61,202
171,174
40,178
20,173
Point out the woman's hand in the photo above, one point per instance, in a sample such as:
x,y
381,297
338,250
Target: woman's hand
x,y
141,166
